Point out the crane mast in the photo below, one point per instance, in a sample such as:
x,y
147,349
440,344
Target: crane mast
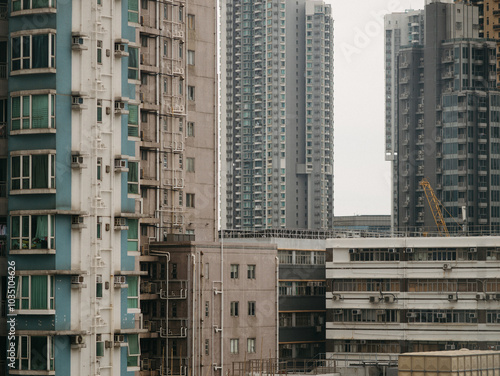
x,y
435,206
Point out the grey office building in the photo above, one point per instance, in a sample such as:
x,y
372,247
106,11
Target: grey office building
x,y
449,124
278,115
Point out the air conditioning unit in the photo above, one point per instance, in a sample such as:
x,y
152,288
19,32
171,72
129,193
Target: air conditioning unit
x,y
389,299
452,297
338,311
77,279
353,250
409,250
472,316
78,42
498,317
356,312
120,221
119,281
392,250
119,339
450,346
108,344
496,296
77,161
440,315
77,103
374,299
77,282
472,249
447,266
77,341
77,222
120,48
411,314
120,164
120,107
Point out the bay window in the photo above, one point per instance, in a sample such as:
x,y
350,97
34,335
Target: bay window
x,y
32,232
133,292
33,111
133,63
132,235
133,177
35,353
33,171
34,292
134,350
18,5
33,51
133,120
133,11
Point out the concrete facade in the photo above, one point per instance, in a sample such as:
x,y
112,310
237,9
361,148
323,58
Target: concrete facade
x,y
395,295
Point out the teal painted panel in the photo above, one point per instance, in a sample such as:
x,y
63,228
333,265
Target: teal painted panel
x,y
62,355
62,298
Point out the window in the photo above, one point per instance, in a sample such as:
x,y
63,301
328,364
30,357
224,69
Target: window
x,y
33,112
99,52
99,110
207,346
144,4
174,271
190,57
98,286
133,120
190,164
3,177
32,232
207,305
181,202
133,177
32,4
33,51
3,112
234,271
251,345
234,309
190,21
235,344
133,62
251,308
132,235
35,171
190,200
134,350
191,93
132,293
35,353
35,292
133,11
190,129
99,168
251,272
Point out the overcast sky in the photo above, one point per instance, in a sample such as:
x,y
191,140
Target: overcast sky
x,y
362,176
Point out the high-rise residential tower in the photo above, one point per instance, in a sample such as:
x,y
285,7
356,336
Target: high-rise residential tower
x,y
108,142
448,123
277,115
401,29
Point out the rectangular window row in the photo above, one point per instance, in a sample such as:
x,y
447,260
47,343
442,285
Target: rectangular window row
x,y
300,288
290,257
234,345
235,271
234,309
33,51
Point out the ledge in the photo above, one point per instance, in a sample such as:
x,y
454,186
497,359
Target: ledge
x,y
38,191
35,311
50,272
49,333
33,251
25,12
33,131
48,211
32,71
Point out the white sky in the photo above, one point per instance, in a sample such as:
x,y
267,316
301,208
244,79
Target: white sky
x,y
362,176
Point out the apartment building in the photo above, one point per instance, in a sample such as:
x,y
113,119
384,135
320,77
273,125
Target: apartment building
x,y
395,295
401,29
447,121
207,305
109,130
301,288
277,123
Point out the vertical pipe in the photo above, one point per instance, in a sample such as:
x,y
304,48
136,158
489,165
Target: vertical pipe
x,y
222,303
277,307
193,308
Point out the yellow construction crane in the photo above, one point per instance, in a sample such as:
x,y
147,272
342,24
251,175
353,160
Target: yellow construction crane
x,y
435,206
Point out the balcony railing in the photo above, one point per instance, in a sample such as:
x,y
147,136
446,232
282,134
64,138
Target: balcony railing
x,y
3,70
